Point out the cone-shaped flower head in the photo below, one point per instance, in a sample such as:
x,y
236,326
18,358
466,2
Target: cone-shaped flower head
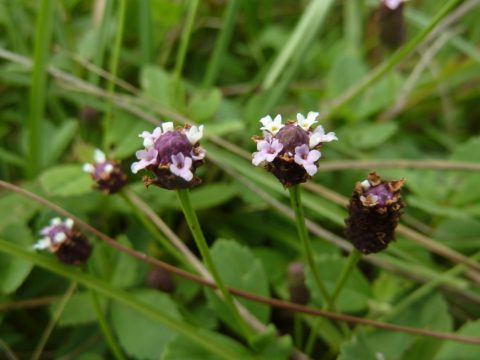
x,y
391,23
374,213
108,174
290,150
172,155
65,241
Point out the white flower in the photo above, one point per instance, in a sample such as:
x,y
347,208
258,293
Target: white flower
x,y
366,184
150,138
393,4
88,168
306,123
272,126
42,244
68,223
99,156
319,136
168,126
194,134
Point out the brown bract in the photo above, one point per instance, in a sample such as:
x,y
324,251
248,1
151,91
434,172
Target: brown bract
x,y
75,250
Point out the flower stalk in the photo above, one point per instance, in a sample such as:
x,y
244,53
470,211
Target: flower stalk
x,y
194,225
352,261
295,199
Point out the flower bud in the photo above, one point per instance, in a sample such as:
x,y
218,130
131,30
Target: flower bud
x,y
297,289
172,155
161,279
391,23
65,241
374,213
290,151
108,174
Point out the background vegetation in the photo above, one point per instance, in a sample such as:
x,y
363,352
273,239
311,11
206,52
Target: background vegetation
x,y
78,75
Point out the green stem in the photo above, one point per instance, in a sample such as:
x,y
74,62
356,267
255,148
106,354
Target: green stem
x,y
296,202
384,68
102,321
53,321
215,63
184,41
167,245
202,338
113,72
145,31
352,261
38,88
192,220
107,332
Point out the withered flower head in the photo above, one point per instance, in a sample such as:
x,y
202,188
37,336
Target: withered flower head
x,y
65,241
299,293
290,151
172,155
108,174
374,213
391,23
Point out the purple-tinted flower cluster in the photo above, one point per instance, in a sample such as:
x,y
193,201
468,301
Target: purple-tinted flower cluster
x,y
374,213
172,155
65,241
108,174
291,151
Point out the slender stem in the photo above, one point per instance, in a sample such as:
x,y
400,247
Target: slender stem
x,y
298,330
192,220
215,63
184,41
296,202
353,259
153,230
102,321
145,30
53,321
107,332
113,71
37,95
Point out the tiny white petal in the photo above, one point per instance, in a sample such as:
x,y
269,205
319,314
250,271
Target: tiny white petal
x,y
88,168
148,142
56,221
108,168
69,223
99,156
365,184
194,134
60,237
42,244
168,126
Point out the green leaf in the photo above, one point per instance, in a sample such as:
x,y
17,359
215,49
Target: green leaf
x,y
204,104
367,136
79,310
142,337
16,209
239,268
123,135
451,350
14,271
155,83
271,346
182,349
356,293
66,180
57,144
431,313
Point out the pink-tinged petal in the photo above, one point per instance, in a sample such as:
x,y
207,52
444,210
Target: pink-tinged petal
x,y
188,163
178,160
270,156
258,157
298,159
181,166
311,169
302,150
277,146
263,145
198,153
313,156
137,166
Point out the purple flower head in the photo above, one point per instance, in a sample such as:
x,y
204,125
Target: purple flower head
x,y
172,155
290,150
108,174
65,241
391,23
374,213
392,4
